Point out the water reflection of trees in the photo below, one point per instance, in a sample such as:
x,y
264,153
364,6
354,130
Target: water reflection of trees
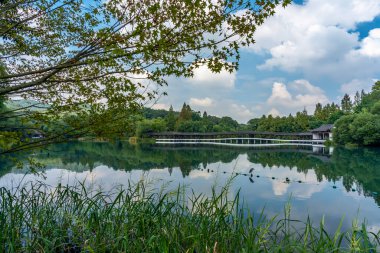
x,y
359,167
122,156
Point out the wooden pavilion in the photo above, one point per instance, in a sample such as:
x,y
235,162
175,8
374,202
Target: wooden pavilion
x,y
323,132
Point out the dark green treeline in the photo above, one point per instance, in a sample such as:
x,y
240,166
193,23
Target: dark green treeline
x,y
356,122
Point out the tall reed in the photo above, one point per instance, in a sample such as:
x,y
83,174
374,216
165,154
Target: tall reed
x,y
39,218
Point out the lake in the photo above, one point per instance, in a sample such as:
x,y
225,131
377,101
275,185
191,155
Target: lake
x,y
318,183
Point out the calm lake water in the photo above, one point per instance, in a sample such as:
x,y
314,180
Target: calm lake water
x,y
344,183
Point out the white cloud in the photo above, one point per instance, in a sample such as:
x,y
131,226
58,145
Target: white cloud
x,y
222,107
314,41
239,112
371,45
304,190
279,94
202,102
312,46
375,228
298,22
207,91
195,174
217,101
279,188
205,77
160,106
305,87
357,85
274,112
283,99
293,97
317,39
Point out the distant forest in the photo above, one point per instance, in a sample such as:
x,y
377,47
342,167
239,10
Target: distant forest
x,y
356,121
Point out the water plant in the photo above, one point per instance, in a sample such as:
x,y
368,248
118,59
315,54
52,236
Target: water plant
x,y
38,218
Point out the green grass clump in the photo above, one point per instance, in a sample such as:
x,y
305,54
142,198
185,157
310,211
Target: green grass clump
x,y
38,218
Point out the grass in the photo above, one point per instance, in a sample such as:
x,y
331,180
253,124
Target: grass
x,y
39,218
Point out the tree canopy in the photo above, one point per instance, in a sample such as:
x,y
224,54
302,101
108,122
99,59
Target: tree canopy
x,y
102,60
363,126
71,51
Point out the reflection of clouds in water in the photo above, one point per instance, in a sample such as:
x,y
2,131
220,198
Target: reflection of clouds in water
x,y
357,194
105,178
375,228
279,188
309,197
304,190
101,176
194,174
242,163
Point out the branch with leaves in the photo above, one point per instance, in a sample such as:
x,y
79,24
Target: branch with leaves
x,y
102,55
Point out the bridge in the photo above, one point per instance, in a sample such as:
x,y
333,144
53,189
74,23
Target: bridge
x,y
242,138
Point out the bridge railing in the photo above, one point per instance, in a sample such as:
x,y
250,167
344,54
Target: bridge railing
x,y
239,141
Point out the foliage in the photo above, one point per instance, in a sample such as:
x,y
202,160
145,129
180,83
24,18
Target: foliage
x,y
149,113
186,120
362,127
190,126
341,131
376,86
323,114
147,126
346,103
376,108
229,124
170,119
101,61
368,100
301,122
351,125
185,113
136,219
327,113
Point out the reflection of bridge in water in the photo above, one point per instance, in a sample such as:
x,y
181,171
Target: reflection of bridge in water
x,y
321,152
243,139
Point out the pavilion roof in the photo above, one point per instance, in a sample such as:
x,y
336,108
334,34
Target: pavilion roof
x,y
323,128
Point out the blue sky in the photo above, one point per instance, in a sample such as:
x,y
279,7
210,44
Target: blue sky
x,y
313,51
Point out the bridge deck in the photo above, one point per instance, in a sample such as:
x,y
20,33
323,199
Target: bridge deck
x,y
251,134
248,142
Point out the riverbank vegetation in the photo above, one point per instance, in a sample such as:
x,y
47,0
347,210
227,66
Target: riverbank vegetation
x,y
356,121
361,114
362,125
38,218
